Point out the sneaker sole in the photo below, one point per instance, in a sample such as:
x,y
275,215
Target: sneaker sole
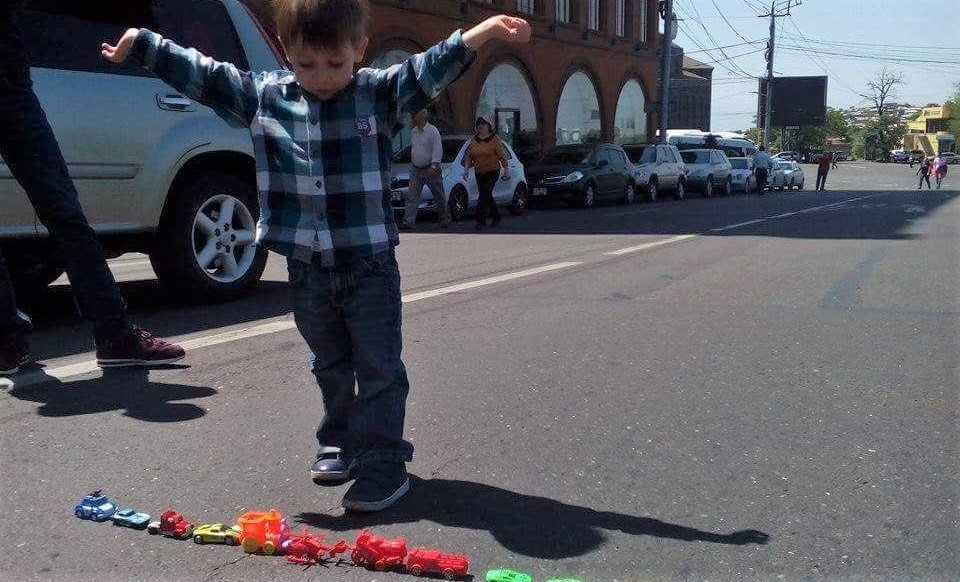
x,y
16,369
371,506
329,477
10,372
136,363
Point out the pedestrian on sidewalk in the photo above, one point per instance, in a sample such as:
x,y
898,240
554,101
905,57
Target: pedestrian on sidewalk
x,y
337,229
834,160
426,155
486,154
30,150
823,168
926,166
940,169
762,162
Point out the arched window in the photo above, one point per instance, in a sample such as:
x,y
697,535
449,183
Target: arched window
x,y
578,114
507,101
630,124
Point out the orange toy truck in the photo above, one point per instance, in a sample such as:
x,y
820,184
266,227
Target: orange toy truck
x,y
262,531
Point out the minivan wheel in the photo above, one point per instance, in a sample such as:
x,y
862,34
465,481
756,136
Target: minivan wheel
x,y
708,188
630,194
653,191
458,204
681,192
205,245
519,204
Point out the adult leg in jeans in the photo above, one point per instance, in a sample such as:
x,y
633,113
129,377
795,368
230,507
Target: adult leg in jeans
x,y
434,181
31,152
14,325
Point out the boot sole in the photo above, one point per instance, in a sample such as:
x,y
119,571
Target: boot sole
x,y
136,363
16,369
330,478
372,506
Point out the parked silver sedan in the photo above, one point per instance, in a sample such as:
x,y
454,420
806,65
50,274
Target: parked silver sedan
x,y
708,171
744,174
793,176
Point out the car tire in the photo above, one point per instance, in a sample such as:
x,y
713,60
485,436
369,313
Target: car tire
x,y
183,242
653,190
630,194
449,575
197,539
459,204
78,513
589,197
520,200
416,570
708,187
230,541
681,192
269,548
728,187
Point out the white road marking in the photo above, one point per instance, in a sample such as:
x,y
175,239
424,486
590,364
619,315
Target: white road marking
x,y
271,327
650,245
738,225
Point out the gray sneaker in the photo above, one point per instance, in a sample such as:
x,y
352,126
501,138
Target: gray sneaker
x,y
330,468
378,485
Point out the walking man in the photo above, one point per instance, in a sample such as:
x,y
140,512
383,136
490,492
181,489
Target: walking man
x,y
33,155
762,164
823,168
426,155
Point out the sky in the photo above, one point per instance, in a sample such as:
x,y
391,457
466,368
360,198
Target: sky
x,y
921,30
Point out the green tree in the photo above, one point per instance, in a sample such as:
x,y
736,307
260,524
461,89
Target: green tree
x,y
954,104
837,126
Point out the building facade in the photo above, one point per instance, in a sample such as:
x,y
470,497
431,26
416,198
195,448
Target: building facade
x,y
589,73
930,131
691,92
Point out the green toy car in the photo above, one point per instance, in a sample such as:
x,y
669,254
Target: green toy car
x,y
507,576
216,533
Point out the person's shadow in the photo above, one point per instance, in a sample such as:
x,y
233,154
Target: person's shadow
x,y
527,525
126,389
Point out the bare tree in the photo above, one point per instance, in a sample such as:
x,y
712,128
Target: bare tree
x,y
883,86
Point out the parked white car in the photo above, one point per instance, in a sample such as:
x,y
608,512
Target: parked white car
x,y
462,195
793,176
777,177
658,168
744,174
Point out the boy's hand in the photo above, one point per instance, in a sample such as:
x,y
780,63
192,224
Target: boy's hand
x,y
507,28
118,54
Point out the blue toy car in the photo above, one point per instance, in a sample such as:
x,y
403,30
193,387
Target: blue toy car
x,y
130,518
95,506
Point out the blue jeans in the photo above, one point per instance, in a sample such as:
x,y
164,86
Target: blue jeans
x,y
30,150
350,317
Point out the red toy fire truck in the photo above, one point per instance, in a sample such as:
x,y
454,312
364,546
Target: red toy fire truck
x,y
382,553
172,525
310,549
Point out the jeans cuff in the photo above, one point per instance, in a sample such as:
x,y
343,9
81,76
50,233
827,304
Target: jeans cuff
x,y
380,456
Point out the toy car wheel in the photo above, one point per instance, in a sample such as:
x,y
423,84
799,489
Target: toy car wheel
x,y
269,548
250,545
78,513
416,570
448,575
230,540
197,539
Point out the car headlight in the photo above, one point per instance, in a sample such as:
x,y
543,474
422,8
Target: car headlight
x,y
573,177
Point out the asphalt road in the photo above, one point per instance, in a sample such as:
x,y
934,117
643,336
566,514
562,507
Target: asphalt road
x,y
630,393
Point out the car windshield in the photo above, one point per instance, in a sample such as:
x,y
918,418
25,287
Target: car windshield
x,y
696,157
739,164
647,155
566,155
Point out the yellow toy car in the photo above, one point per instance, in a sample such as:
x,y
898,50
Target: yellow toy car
x,y
216,533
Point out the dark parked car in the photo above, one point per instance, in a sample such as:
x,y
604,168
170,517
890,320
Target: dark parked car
x,y
582,174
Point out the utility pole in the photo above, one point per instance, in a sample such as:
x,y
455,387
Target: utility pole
x,y
768,103
666,46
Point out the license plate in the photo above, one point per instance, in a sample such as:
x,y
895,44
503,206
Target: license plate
x,y
539,191
397,196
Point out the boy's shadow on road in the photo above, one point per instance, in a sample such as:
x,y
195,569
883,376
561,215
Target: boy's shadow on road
x,y
129,390
527,525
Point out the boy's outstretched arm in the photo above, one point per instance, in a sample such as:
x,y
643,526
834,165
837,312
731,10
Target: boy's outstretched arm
x,y
233,94
423,77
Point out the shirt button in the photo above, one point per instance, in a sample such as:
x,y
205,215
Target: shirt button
x,y
320,184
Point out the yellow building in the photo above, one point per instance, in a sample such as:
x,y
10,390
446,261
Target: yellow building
x,y
930,133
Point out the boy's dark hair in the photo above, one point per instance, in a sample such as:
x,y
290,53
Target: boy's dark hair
x,y
322,24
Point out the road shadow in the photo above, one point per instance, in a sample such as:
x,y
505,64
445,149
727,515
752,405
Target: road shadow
x,y
524,524
886,217
61,331
128,390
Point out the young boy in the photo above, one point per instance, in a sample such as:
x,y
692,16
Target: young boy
x,y
322,139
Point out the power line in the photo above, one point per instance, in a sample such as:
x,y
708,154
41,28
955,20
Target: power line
x,y
873,57
826,68
749,42
870,44
693,15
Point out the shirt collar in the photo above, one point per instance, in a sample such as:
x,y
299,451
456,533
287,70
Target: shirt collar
x,y
293,90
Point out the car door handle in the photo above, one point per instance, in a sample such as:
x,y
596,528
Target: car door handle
x,y
174,102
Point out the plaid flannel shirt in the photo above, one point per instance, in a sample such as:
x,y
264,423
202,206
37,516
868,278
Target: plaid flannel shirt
x,y
323,167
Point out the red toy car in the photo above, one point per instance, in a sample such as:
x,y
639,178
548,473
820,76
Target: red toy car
x,y
377,552
172,525
309,549
422,561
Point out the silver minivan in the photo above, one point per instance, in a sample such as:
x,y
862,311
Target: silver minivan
x,y
156,172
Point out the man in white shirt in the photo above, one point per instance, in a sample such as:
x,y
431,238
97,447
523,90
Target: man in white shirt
x,y
426,154
762,162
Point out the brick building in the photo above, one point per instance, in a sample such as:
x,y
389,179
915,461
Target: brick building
x,y
691,92
590,72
